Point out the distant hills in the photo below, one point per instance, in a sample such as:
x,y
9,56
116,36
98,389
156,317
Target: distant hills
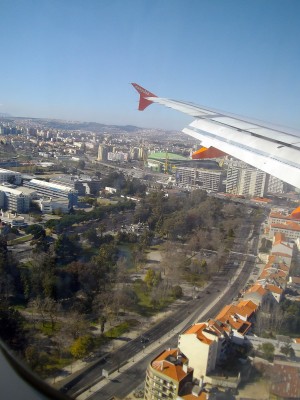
x,y
74,125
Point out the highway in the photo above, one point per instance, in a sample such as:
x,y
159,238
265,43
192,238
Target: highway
x,y
211,300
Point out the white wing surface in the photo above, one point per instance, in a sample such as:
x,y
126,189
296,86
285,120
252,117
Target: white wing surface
x,y
275,151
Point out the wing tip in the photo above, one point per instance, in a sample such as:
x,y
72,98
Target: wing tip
x,y
144,93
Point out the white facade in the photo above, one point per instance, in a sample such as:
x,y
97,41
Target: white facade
x,y
290,230
203,346
48,206
102,153
205,179
276,185
245,180
14,199
10,176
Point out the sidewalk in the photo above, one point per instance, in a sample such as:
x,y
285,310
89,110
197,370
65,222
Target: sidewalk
x,y
113,345
152,347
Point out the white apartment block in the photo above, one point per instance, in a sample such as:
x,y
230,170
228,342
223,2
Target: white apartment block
x,y
245,180
276,185
15,199
291,230
10,176
102,152
205,179
204,344
276,217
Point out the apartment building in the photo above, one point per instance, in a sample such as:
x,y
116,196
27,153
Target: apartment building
x,y
206,179
285,224
167,376
205,344
277,217
291,230
261,293
10,176
103,152
275,272
237,317
15,198
282,249
276,185
242,179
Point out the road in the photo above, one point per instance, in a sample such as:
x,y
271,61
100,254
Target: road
x,y
187,312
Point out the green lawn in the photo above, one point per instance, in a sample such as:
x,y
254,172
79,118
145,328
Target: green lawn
x,y
21,239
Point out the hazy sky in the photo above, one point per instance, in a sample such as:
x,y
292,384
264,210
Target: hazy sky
x,y
75,59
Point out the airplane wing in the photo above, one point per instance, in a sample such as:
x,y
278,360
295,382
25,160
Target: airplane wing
x,y
273,150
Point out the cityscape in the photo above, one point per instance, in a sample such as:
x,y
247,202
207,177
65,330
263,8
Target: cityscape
x,y
220,281
149,215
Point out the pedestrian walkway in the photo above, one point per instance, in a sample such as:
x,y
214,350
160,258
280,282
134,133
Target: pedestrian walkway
x,y
195,317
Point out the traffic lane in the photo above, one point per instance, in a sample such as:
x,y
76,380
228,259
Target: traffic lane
x,y
132,348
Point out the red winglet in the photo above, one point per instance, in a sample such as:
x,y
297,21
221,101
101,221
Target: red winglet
x,y
144,93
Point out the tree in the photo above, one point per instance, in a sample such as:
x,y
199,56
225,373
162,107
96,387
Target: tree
x,y
81,164
287,350
268,350
177,291
66,249
11,327
47,308
102,322
41,278
81,346
36,230
91,235
76,324
149,278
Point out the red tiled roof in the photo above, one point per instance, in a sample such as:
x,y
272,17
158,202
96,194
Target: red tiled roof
x,y
274,289
257,288
248,304
168,368
261,199
291,226
285,382
197,329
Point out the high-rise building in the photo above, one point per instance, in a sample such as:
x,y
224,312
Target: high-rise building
x,y
206,179
242,179
167,376
276,185
102,152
